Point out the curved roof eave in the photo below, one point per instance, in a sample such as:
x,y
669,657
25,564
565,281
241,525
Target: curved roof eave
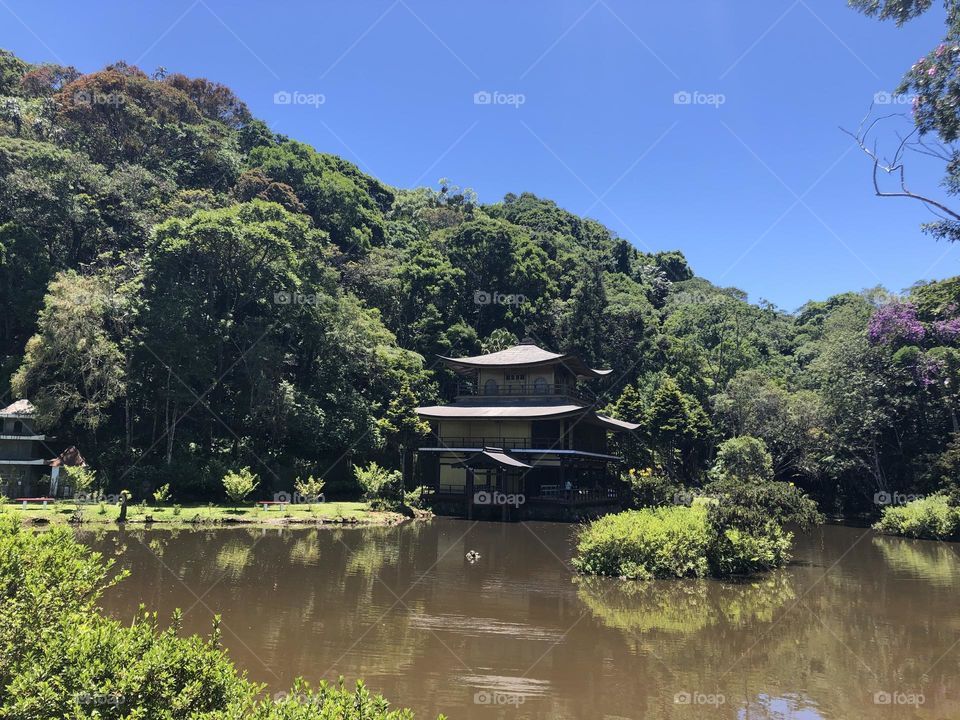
x,y
571,362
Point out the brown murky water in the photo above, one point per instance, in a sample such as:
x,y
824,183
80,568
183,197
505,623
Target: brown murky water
x,y
859,626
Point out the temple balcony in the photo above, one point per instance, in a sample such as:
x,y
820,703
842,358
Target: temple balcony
x,y
467,389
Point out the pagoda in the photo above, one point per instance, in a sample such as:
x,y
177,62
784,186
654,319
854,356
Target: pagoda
x,y
521,438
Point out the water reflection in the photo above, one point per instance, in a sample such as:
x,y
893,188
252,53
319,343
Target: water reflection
x,y
684,606
937,563
514,634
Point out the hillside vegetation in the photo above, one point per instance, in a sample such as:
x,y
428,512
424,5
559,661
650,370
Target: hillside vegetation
x,y
183,291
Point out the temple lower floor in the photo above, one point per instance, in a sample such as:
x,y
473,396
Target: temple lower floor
x,y
556,485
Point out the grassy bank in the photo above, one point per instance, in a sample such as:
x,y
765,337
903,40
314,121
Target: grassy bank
x,y
64,512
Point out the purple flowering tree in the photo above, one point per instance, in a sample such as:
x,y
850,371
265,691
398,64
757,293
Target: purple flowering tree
x,y
895,323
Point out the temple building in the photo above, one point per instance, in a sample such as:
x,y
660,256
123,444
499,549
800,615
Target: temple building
x,y
22,463
521,438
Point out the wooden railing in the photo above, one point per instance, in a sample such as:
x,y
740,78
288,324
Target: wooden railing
x,y
513,389
504,443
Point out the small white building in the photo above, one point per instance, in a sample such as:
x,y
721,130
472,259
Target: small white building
x,y
22,463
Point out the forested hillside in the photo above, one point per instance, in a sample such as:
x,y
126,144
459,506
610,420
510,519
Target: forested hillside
x,y
182,290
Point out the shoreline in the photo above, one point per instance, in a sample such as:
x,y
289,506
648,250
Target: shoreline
x,y
333,514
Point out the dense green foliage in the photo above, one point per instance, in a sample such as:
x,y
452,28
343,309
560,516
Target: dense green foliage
x,y
59,657
183,292
933,517
677,542
643,544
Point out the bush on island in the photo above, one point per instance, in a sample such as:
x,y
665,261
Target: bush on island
x,y
933,518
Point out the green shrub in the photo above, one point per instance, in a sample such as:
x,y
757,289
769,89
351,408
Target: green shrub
x,y
677,542
162,494
643,544
932,517
419,497
651,488
310,488
239,484
383,488
752,506
737,552
79,664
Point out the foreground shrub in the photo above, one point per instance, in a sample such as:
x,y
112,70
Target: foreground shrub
x,y
60,658
933,518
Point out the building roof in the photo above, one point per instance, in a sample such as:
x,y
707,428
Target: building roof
x,y
21,408
522,412
492,457
525,354
615,424
70,457
493,412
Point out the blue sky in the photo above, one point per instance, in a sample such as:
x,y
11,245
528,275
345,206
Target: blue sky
x,y
761,191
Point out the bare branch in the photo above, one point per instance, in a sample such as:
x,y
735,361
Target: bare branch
x,y
896,166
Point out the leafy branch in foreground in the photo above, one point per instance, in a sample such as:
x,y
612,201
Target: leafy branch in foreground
x,y
77,663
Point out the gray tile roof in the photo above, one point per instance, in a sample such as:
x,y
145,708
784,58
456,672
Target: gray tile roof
x,y
21,408
526,354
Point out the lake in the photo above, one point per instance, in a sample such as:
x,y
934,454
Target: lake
x,y
857,626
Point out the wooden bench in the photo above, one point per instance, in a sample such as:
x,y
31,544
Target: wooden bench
x,y
267,503
43,500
